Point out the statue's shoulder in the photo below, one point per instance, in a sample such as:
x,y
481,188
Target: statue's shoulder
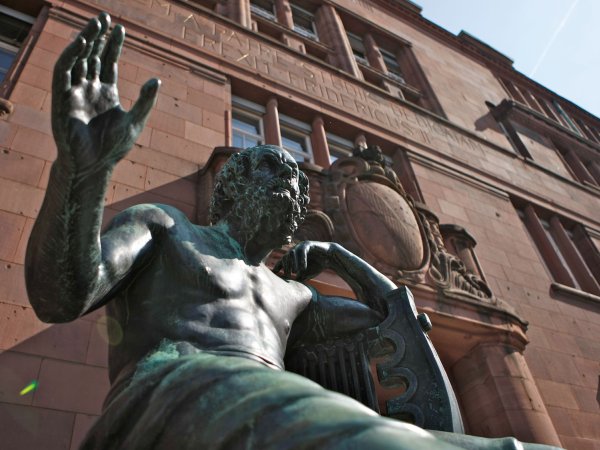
x,y
150,215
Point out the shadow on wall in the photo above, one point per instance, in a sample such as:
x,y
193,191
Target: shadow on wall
x,y
487,121
67,361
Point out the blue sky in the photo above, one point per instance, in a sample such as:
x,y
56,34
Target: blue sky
x,y
554,42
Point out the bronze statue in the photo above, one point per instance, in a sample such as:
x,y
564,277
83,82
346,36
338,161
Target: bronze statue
x,y
205,322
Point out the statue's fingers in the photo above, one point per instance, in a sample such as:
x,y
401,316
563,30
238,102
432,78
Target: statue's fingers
x,y
61,79
79,71
90,33
93,67
98,47
104,19
142,107
93,70
111,54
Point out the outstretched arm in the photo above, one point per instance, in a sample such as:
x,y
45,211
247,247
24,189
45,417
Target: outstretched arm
x,y
68,268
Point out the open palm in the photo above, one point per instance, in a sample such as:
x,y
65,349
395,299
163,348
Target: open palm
x,y
91,129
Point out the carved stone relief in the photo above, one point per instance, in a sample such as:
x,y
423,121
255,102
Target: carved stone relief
x,y
374,217
448,271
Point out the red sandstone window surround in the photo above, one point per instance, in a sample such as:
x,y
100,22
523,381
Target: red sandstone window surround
x,y
566,249
338,147
246,123
553,109
253,124
295,138
14,28
263,8
540,139
584,166
308,136
386,61
19,30
304,22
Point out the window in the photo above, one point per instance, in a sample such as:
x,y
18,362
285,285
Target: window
x,y
304,22
338,147
564,247
295,138
263,8
393,67
246,123
547,106
589,131
584,166
385,60
14,28
358,48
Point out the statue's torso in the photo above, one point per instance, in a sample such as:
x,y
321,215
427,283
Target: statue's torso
x,y
197,290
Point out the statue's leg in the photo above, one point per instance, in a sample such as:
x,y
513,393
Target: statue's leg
x,y
204,401
480,443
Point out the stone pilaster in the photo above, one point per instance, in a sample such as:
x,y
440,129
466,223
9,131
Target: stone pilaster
x,y
318,140
499,396
271,123
332,32
239,11
373,53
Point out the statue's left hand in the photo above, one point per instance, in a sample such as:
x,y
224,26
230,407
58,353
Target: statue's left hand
x,y
306,260
91,129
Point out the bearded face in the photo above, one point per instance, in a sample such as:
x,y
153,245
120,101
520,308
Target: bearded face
x,y
267,196
272,208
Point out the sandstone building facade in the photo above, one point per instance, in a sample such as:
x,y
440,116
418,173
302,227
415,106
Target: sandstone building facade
x,y
485,200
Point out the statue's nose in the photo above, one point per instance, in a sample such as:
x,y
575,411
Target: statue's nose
x,y
285,170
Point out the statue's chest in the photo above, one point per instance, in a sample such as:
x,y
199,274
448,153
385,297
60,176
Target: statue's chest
x,y
208,270
215,274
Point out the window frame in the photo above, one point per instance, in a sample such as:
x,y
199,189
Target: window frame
x,y
340,143
303,31
299,130
251,110
262,12
395,73
361,58
9,46
560,252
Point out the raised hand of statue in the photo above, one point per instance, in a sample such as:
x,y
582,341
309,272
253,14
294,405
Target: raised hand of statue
x,y
91,129
306,260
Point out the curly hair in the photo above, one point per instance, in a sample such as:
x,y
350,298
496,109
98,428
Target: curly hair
x,y
231,187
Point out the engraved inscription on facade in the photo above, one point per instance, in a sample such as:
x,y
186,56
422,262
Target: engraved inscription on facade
x,y
248,53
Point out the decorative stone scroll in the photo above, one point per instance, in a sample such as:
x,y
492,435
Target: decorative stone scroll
x,y
447,271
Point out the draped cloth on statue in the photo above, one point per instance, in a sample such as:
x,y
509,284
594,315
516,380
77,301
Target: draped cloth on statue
x,y
208,401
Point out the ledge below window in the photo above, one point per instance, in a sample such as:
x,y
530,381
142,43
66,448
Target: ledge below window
x,y
568,291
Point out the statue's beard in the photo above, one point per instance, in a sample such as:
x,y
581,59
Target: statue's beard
x,y
272,209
